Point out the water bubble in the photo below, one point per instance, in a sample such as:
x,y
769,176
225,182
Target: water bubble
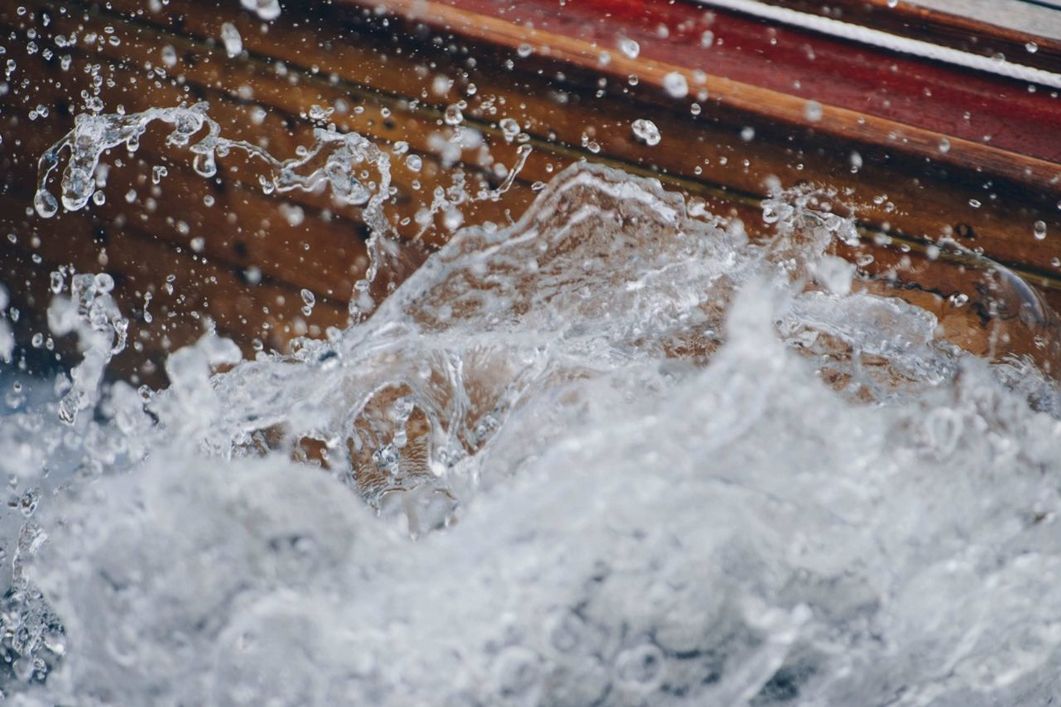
x,y
524,50
45,204
204,164
1039,230
441,85
452,218
231,39
169,56
453,115
1031,47
646,131
102,282
747,133
323,113
944,145
855,160
509,129
294,214
630,48
707,39
592,145
675,85
812,111
309,300
414,162
975,203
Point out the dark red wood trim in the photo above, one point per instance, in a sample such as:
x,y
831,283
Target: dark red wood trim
x,y
976,108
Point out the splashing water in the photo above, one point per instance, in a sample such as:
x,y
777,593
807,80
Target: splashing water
x,y
646,462
94,134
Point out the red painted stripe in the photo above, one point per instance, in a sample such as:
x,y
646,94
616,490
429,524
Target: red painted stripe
x,y
958,102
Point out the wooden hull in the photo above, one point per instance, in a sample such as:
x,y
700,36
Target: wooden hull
x,y
770,102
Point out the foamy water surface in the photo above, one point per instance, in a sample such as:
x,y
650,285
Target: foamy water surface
x,y
613,454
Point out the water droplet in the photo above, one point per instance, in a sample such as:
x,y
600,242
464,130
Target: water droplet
x,y
265,9
675,85
1031,47
293,214
524,50
855,159
812,111
509,129
169,56
204,164
646,131
452,219
1039,230
959,299
453,115
975,203
747,134
308,302
944,145
45,204
232,40
629,48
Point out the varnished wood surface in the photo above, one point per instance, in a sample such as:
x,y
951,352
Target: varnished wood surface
x,y
337,54
773,70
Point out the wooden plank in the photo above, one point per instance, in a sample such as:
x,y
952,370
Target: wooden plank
x,y
332,56
1002,224
947,199
184,289
773,71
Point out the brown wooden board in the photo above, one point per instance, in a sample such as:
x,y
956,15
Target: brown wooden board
x,y
334,55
